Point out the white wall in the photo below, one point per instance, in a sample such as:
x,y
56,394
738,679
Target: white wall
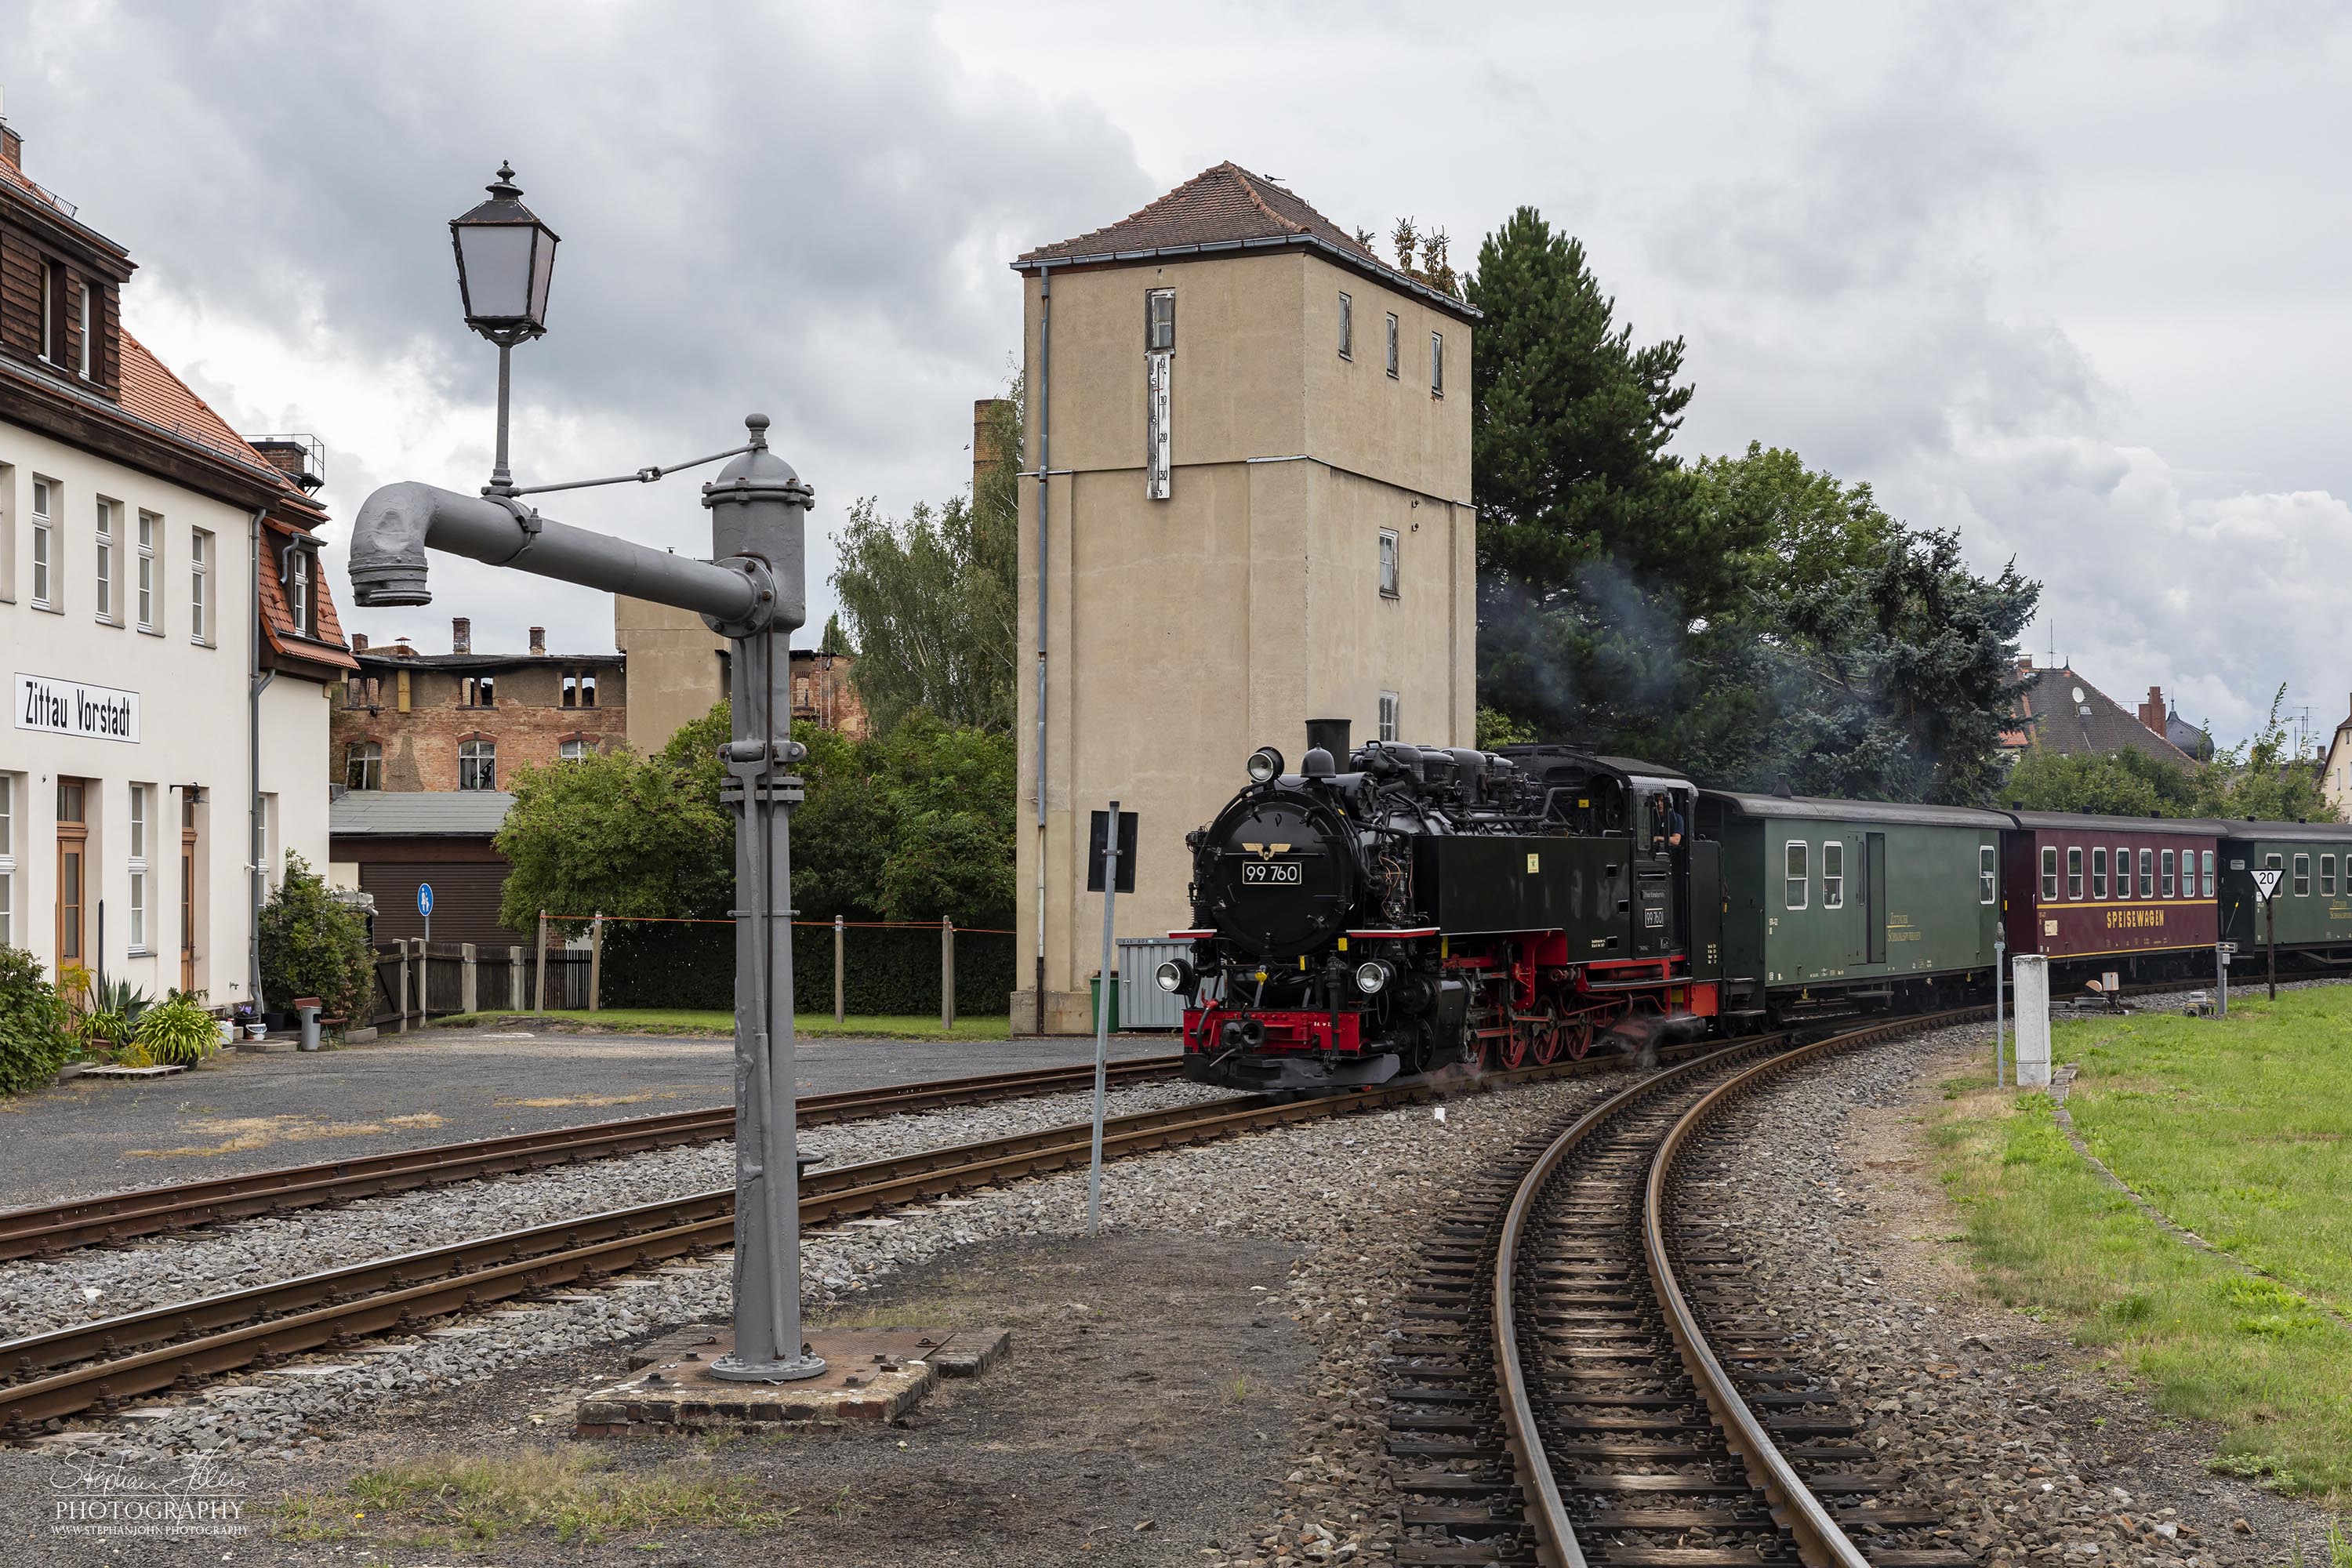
x,y
192,717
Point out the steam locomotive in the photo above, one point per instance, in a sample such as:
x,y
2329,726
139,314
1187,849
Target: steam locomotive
x,y
1396,909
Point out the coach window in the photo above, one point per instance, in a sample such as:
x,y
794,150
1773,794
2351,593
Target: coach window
x,y
1988,876
2328,875
1800,877
1832,875
2050,873
2148,873
2074,870
2168,873
2209,873
2099,873
2303,876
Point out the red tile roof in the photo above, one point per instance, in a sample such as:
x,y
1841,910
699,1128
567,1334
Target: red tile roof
x,y
1228,207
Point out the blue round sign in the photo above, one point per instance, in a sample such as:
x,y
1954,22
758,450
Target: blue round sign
x,y
423,898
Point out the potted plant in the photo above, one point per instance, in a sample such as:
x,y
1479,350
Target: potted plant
x,y
176,1032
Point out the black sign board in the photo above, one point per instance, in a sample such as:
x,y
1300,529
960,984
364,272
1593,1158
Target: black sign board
x,y
1098,846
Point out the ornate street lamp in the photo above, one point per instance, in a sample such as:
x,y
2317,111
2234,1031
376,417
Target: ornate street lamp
x,y
506,259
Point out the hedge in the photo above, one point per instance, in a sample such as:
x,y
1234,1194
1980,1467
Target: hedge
x,y
885,971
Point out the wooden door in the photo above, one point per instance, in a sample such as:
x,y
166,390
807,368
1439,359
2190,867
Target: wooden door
x,y
187,890
73,857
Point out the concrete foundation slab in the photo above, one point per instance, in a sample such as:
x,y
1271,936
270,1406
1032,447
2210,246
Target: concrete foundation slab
x,y
871,1374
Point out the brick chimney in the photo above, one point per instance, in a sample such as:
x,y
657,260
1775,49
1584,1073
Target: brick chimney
x,y
359,642
461,634
985,424
539,642
2151,712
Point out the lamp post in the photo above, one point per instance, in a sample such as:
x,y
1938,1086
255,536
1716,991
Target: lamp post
x,y
506,259
752,592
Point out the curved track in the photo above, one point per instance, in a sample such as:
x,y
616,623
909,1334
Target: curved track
x,y
1583,1379
89,1222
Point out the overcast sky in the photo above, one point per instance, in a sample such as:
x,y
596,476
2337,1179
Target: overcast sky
x,y
2075,285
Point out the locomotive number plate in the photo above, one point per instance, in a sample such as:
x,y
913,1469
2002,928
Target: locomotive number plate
x,y
1271,873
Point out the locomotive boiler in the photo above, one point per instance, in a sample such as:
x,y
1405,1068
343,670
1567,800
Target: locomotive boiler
x,y
1396,909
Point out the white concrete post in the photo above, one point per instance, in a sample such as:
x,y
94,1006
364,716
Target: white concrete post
x,y
2032,998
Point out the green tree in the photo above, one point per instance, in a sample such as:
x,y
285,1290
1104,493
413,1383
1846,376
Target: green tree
x,y
313,944
622,834
932,599
1602,582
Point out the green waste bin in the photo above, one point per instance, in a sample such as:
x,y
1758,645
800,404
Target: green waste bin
x,y
1093,1001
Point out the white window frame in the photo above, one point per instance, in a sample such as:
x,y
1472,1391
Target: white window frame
x,y
1437,365
1391,564
472,766
1392,716
9,795
140,828
46,587
1796,874
102,580
150,545
2209,873
1396,346
1347,326
200,570
1832,874
2099,872
2050,873
298,589
2303,874
1988,874
2074,871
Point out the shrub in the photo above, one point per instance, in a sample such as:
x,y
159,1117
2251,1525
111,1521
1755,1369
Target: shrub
x,y
312,944
34,1038
178,1032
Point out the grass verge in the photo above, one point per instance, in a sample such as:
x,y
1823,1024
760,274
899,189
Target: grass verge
x,y
691,1021
572,1494
2233,1129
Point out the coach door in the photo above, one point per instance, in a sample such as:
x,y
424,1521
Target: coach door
x,y
1875,881
73,870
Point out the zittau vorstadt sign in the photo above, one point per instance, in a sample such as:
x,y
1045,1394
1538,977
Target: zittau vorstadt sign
x,y
70,707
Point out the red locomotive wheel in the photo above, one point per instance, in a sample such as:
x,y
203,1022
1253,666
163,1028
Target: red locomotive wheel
x,y
1511,1049
1544,1033
1576,1036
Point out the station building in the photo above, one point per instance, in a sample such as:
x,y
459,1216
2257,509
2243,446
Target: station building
x,y
165,631
1248,483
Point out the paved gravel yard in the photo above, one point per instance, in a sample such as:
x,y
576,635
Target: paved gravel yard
x,y
2034,1448
248,1112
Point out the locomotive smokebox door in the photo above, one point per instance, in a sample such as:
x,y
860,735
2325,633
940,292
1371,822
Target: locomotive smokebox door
x,y
1098,846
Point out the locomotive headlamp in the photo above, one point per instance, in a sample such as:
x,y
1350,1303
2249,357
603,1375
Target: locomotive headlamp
x,y
1372,976
1265,764
1175,975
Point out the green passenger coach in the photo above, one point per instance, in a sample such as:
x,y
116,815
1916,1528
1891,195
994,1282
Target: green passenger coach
x,y
1839,906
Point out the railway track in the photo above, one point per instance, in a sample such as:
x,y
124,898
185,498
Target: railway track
x,y
1583,1379
52,1228
97,1366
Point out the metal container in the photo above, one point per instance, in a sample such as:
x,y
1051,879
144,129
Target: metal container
x,y
1141,1003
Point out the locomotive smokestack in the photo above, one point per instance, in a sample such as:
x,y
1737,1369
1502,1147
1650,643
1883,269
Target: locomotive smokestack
x,y
1331,735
